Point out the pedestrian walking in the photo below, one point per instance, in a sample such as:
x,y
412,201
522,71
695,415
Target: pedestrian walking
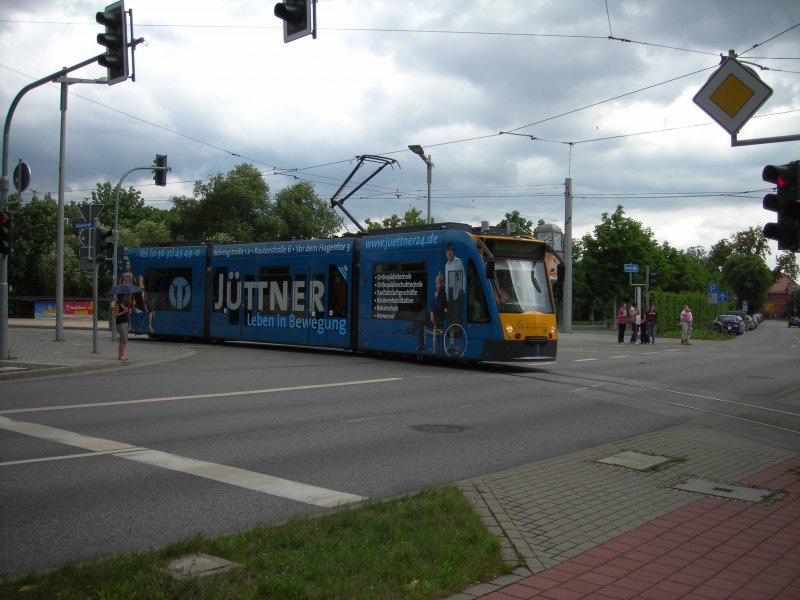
x,y
122,310
686,325
652,321
636,321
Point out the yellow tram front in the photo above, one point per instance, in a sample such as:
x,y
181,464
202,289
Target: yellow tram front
x,y
520,272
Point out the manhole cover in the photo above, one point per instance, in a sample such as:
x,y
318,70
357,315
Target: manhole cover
x,y
197,565
439,428
635,460
723,490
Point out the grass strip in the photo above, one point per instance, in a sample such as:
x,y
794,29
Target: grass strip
x,y
427,545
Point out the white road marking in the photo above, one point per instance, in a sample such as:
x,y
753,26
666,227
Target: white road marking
x,y
584,359
296,388
274,486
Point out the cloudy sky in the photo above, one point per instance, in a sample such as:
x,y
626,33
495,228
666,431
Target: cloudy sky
x,y
597,90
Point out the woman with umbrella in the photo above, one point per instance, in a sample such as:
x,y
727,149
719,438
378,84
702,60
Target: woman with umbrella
x,y
122,310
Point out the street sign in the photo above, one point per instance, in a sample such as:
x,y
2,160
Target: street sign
x,y
83,225
90,212
22,176
631,268
732,95
713,298
722,296
713,288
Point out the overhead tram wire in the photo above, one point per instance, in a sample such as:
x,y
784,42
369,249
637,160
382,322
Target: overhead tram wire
x,y
292,172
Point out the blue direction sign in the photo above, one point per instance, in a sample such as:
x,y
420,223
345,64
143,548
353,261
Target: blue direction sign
x,y
722,296
630,268
83,225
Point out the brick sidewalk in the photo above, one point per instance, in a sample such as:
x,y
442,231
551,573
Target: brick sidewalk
x,y
589,530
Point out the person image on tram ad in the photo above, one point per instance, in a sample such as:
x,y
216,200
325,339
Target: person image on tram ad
x,y
122,310
438,308
622,321
127,276
636,321
652,321
455,286
142,303
435,315
686,325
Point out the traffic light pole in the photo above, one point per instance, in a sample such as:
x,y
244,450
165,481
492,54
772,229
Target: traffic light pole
x,y
4,189
53,77
115,263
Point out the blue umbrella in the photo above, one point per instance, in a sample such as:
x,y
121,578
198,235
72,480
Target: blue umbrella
x,y
124,289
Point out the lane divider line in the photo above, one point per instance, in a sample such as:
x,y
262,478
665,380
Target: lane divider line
x,y
266,484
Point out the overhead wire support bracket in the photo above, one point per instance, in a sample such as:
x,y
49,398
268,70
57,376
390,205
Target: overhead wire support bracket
x,y
364,158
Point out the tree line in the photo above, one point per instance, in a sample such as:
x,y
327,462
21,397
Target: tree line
x,y
238,207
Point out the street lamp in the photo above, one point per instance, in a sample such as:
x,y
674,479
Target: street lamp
x,y
417,149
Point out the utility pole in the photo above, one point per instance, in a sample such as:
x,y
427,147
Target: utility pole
x,y
567,326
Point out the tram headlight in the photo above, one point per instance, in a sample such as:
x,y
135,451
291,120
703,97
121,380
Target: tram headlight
x,y
509,329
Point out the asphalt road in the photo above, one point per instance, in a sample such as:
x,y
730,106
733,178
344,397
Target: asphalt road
x,y
95,464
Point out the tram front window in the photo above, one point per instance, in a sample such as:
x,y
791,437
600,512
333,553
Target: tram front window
x,y
521,286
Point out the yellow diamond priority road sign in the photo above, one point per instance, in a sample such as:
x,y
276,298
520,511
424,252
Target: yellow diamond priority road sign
x,y
732,95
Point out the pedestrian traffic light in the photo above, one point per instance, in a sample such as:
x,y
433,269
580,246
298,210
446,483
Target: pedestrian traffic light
x,y
115,40
786,202
298,18
160,174
100,244
5,233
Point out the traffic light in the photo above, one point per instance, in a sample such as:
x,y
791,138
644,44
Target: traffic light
x,y
5,233
100,244
115,40
298,18
160,175
786,202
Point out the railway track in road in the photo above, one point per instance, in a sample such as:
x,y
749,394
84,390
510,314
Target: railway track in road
x,y
699,401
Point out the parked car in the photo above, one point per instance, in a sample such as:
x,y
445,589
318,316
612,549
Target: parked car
x,y
741,315
794,322
732,324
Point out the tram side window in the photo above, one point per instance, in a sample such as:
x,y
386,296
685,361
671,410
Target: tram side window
x,y
277,292
218,281
337,296
478,312
399,290
299,296
169,289
315,295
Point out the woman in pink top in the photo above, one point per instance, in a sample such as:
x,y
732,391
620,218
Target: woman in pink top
x,y
622,321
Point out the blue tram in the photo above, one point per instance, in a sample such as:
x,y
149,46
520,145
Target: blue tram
x,y
445,290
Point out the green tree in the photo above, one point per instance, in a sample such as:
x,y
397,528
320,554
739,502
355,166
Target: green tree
x,y
412,216
749,278
297,213
786,265
224,207
751,242
522,225
617,240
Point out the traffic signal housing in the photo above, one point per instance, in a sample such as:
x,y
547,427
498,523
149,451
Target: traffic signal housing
x,y
785,202
102,244
5,233
160,174
298,18
115,41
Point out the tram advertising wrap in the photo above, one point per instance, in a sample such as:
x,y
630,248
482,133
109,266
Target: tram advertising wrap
x,y
443,290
